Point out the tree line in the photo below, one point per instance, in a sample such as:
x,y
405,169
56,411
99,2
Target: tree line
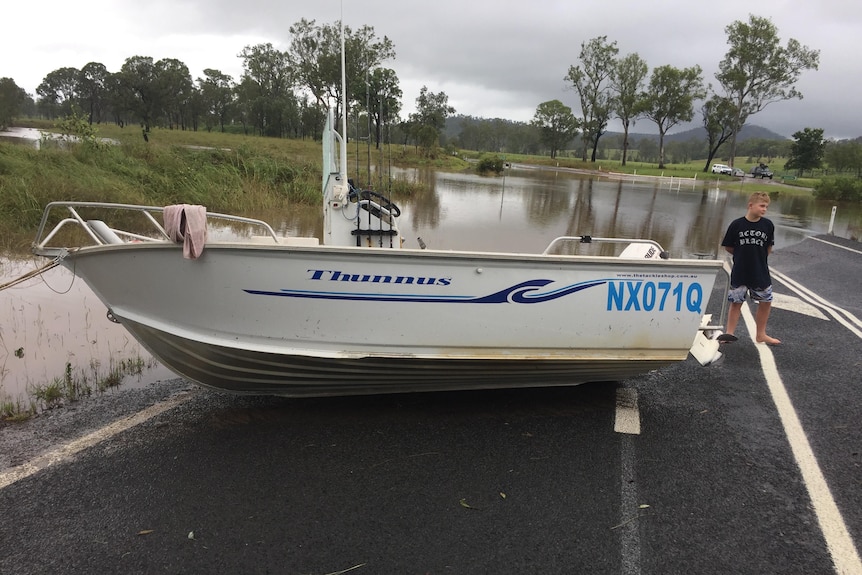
x,y
756,71
281,93
286,94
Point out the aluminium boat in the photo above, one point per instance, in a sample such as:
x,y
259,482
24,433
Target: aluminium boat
x,y
227,302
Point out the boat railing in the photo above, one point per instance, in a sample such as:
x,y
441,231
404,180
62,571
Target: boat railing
x,y
102,233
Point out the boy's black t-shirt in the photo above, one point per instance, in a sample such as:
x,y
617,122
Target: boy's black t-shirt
x,y
750,242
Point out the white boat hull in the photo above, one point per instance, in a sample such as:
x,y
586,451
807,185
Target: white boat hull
x,y
326,320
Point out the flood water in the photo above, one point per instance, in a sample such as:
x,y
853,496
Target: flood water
x,y
528,208
54,319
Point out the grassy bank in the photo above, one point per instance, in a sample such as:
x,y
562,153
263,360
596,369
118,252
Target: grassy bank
x,y
225,172
146,173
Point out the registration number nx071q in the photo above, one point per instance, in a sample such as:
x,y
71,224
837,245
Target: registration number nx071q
x,y
641,295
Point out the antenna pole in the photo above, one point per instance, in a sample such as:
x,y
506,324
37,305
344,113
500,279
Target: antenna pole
x,y
343,154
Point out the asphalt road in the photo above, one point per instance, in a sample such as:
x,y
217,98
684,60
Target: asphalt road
x,y
497,482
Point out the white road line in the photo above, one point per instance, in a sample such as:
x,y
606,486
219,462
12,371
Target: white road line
x,y
845,557
628,418
842,316
836,245
65,452
796,305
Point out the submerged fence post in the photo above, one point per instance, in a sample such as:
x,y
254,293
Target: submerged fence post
x,y
832,220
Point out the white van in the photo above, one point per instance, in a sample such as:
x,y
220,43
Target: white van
x,y
721,169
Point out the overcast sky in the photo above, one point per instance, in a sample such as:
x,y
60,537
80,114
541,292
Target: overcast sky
x,y
494,59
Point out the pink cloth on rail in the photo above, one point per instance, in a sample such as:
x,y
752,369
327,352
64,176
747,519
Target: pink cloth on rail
x,y
187,223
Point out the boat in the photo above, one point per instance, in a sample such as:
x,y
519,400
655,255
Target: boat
x,y
226,302
357,312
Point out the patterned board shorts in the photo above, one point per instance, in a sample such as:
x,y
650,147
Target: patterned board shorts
x,y
737,294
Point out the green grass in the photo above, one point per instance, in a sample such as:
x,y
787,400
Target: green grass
x,y
14,411
220,170
143,174
74,385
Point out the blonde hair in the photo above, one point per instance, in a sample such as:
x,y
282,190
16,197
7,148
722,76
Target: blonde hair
x,y
758,197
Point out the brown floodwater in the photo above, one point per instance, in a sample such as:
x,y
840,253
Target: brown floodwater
x,y
54,319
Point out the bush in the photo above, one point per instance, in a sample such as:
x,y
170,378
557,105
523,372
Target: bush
x,y
842,189
490,164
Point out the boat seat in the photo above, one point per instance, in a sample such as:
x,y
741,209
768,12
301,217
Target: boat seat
x,y
103,232
643,251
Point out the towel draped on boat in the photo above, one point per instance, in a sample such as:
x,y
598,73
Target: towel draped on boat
x,y
187,223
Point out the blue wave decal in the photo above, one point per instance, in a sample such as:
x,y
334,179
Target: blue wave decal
x,y
524,292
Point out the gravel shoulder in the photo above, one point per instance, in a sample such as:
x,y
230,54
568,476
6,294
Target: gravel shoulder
x,y
22,441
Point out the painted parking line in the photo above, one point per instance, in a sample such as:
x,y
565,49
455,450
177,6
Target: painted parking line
x,y
67,451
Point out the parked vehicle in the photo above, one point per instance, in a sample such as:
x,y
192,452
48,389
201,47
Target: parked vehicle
x,y
721,169
739,173
762,171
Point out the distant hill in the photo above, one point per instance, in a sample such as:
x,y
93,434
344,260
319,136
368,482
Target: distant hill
x,y
454,125
748,132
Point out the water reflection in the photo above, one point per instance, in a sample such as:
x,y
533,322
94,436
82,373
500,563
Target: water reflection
x,y
525,209
34,137
521,211
26,136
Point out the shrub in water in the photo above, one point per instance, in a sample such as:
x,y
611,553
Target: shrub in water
x,y
490,164
840,189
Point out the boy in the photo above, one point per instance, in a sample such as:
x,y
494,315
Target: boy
x,y
749,239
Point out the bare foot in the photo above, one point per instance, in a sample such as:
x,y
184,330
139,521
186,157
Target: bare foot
x,y
768,340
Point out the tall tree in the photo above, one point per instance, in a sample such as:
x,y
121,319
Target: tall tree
x,y
719,117
311,118
757,70
590,79
59,90
140,91
117,98
12,99
430,118
267,81
557,125
268,67
845,156
670,99
629,74
174,84
806,152
315,54
92,90
217,97
648,150
382,100
247,93
364,52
